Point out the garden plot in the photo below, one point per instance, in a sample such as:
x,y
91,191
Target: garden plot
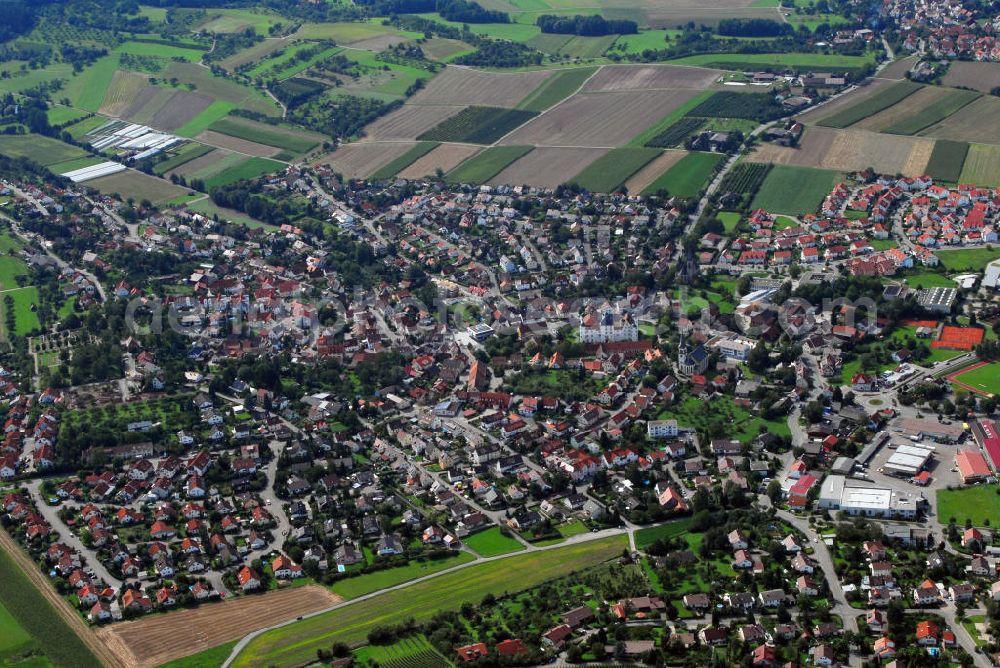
x,y
547,167
599,119
362,159
649,77
445,157
459,86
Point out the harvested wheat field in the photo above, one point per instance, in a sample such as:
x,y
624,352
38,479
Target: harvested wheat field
x,y
598,119
458,86
179,109
980,76
156,639
547,167
976,122
125,86
649,77
444,157
236,144
905,108
851,150
812,147
362,159
645,176
897,70
409,121
202,164
868,88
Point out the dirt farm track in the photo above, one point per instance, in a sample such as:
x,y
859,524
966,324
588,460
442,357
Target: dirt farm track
x,y
156,639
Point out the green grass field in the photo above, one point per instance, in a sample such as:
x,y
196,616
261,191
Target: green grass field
x,y
967,259
928,279
979,504
365,584
688,176
724,416
63,115
794,190
982,165
25,300
210,658
795,61
933,113
730,219
985,378
261,133
297,643
485,165
138,186
492,542
611,170
871,106
188,152
10,269
249,168
646,537
642,41
402,162
41,149
587,47
24,612
556,88
347,32
160,51
76,163
213,114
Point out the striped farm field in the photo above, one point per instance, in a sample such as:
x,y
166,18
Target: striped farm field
x,y
484,166
982,165
688,176
932,113
262,133
396,165
609,172
125,86
442,159
871,105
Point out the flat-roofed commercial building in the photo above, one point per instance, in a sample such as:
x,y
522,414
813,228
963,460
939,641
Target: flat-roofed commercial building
x,y
908,460
836,494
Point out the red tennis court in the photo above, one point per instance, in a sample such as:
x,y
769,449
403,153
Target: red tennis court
x,y
959,338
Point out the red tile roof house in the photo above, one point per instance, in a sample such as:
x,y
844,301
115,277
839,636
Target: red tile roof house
x,y
511,647
556,637
472,652
248,579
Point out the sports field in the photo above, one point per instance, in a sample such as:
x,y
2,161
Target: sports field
x,y
297,643
983,378
959,338
981,504
492,542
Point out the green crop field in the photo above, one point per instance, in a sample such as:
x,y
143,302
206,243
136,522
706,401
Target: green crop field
x,y
611,170
980,504
297,643
794,190
75,163
556,88
688,176
933,113
41,149
80,129
485,165
947,160
159,50
390,577
26,612
263,134
250,168
138,186
587,47
409,652
478,125
87,89
871,106
967,259
492,542
394,167
186,154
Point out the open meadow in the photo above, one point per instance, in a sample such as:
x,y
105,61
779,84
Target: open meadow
x,y
977,504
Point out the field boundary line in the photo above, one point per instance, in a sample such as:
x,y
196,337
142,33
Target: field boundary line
x,y
545,111
62,607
